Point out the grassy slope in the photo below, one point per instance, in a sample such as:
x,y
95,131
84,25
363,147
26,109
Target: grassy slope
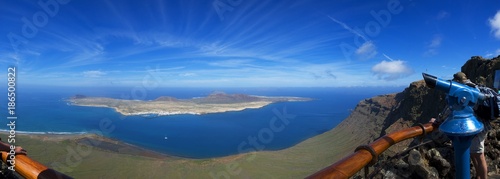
x,y
298,161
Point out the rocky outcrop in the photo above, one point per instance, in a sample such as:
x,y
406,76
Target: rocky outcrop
x,y
166,98
481,70
433,156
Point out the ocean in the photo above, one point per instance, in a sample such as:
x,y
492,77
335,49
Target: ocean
x,y
273,127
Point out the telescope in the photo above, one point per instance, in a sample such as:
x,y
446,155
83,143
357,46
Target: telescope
x,y
462,125
461,98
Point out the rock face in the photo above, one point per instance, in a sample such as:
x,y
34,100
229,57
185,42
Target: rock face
x,y
433,158
480,70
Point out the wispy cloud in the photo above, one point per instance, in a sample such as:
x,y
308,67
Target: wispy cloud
x,y
271,75
345,26
232,63
93,74
492,54
497,52
214,48
331,74
326,74
387,56
187,74
433,45
436,42
246,49
495,24
367,50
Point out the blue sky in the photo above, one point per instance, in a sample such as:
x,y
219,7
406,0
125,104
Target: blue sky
x,y
239,43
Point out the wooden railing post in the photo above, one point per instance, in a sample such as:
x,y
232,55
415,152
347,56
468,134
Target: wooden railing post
x,y
31,169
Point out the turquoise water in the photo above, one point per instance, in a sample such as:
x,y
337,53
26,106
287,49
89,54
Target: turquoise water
x,y
273,127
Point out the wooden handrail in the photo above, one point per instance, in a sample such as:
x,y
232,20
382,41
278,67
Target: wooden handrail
x,y
351,164
29,168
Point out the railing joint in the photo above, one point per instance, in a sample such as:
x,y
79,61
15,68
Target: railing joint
x,y
372,152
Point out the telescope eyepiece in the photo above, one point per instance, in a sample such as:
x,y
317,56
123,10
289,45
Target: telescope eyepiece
x,y
430,80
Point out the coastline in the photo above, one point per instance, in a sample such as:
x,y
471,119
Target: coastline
x,y
109,161
93,156
92,140
117,146
58,151
163,106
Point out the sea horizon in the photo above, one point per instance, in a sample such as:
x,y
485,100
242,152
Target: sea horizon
x,y
42,111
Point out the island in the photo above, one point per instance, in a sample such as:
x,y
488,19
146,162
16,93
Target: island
x,y
216,102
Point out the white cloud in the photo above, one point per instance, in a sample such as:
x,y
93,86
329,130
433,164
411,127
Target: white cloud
x,y
495,24
391,70
93,74
366,51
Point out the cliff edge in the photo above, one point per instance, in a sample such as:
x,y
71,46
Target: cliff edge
x,y
374,117
380,115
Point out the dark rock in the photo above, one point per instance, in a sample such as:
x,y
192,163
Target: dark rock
x,y
418,165
391,174
401,169
414,158
437,161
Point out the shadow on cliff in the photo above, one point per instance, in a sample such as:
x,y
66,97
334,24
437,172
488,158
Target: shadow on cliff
x,y
416,104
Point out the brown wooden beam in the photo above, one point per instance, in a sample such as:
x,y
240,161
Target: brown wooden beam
x,y
31,169
351,164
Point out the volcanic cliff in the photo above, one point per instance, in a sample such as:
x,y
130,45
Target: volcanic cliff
x,y
432,156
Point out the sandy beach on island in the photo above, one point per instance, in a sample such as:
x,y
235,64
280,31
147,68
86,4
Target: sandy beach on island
x,y
215,103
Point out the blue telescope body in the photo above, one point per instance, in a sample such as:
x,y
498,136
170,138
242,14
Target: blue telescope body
x,y
461,98
462,125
